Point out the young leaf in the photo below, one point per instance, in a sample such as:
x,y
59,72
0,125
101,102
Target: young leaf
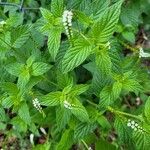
x,y
147,110
39,68
51,99
78,89
24,113
57,7
47,15
79,110
15,68
19,36
54,38
76,55
102,30
83,129
62,117
103,61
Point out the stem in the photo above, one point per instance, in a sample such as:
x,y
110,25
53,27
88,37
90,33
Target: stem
x,y
51,82
86,146
95,105
27,8
9,4
122,113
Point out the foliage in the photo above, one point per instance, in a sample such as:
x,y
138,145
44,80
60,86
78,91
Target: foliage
x,y
75,74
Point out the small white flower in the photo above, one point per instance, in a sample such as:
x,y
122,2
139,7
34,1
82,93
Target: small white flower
x,y
32,139
67,22
67,105
43,131
142,53
132,122
2,22
132,126
129,124
37,104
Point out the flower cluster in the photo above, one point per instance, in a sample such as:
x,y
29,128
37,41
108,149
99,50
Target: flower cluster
x,y
67,22
67,105
142,53
37,105
135,126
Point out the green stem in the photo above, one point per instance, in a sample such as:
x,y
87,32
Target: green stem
x,y
9,4
50,82
86,146
122,113
95,105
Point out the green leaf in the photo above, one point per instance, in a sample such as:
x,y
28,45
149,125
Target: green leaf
x,y
82,17
39,68
141,140
54,38
110,93
79,110
47,15
15,68
104,145
64,80
3,116
103,29
62,117
76,55
147,109
57,7
7,102
131,85
24,114
23,78
19,124
19,36
78,89
83,129
129,36
123,131
103,61
66,140
51,99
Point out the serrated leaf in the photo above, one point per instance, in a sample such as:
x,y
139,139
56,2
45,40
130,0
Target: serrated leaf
x,y
62,117
51,99
83,129
66,140
24,114
141,140
102,30
54,38
79,110
104,145
57,7
147,109
78,89
19,36
39,68
3,116
15,68
23,78
123,131
110,93
103,61
47,15
76,55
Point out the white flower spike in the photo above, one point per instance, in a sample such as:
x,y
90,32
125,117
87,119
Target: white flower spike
x,y
67,22
37,104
